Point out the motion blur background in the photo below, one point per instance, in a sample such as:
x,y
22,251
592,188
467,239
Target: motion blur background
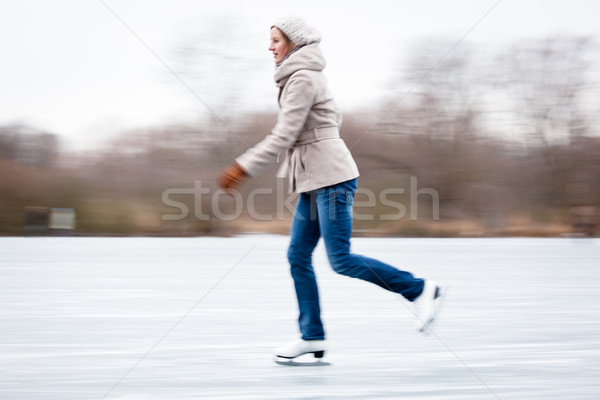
x,y
105,105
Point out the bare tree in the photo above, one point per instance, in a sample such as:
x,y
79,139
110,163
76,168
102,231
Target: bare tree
x,y
29,146
547,79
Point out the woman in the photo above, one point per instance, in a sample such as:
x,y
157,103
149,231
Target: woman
x,y
319,167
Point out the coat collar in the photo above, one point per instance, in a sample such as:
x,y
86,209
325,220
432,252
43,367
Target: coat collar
x,y
307,57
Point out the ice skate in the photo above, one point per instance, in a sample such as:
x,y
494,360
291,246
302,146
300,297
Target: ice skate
x,y
287,355
428,305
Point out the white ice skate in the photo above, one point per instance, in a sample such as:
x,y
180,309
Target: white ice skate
x,y
286,355
428,305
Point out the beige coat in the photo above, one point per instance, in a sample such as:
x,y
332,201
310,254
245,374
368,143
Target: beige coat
x,y
306,137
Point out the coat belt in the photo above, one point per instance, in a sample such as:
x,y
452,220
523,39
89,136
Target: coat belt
x,y
304,138
317,134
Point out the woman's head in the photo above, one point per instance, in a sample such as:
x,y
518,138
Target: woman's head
x,y
281,45
288,32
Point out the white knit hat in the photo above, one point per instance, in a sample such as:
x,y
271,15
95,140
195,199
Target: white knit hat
x,y
297,30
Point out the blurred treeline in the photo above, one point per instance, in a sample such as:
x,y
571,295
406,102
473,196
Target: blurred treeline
x,y
509,141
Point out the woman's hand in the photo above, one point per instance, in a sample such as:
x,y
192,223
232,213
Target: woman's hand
x,y
232,176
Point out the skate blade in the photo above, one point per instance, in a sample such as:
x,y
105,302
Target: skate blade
x,y
427,328
298,363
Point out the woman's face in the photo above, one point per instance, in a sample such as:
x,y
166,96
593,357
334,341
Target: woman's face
x,y
280,46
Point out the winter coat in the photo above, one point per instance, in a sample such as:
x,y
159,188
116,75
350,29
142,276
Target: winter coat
x,y
306,137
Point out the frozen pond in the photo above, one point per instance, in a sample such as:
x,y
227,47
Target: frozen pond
x,y
197,318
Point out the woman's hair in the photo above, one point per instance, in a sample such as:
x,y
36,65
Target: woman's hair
x,y
287,39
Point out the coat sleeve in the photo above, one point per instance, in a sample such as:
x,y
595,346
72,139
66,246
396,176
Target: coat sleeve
x,y
296,102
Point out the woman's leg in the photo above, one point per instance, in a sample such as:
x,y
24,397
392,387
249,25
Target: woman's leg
x,y
305,234
334,206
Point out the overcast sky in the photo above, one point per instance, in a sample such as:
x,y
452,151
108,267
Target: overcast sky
x,y
85,69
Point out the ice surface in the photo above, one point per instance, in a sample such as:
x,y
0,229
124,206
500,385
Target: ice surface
x,y
197,318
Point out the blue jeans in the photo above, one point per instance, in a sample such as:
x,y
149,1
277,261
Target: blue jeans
x,y
327,213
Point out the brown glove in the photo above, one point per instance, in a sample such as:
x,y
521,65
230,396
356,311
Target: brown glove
x,y
232,176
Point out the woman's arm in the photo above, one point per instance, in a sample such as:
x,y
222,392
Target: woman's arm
x,y
296,102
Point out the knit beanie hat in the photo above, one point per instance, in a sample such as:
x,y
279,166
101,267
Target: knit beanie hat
x,y
297,30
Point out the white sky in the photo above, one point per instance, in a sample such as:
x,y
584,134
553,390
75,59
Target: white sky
x,y
71,67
